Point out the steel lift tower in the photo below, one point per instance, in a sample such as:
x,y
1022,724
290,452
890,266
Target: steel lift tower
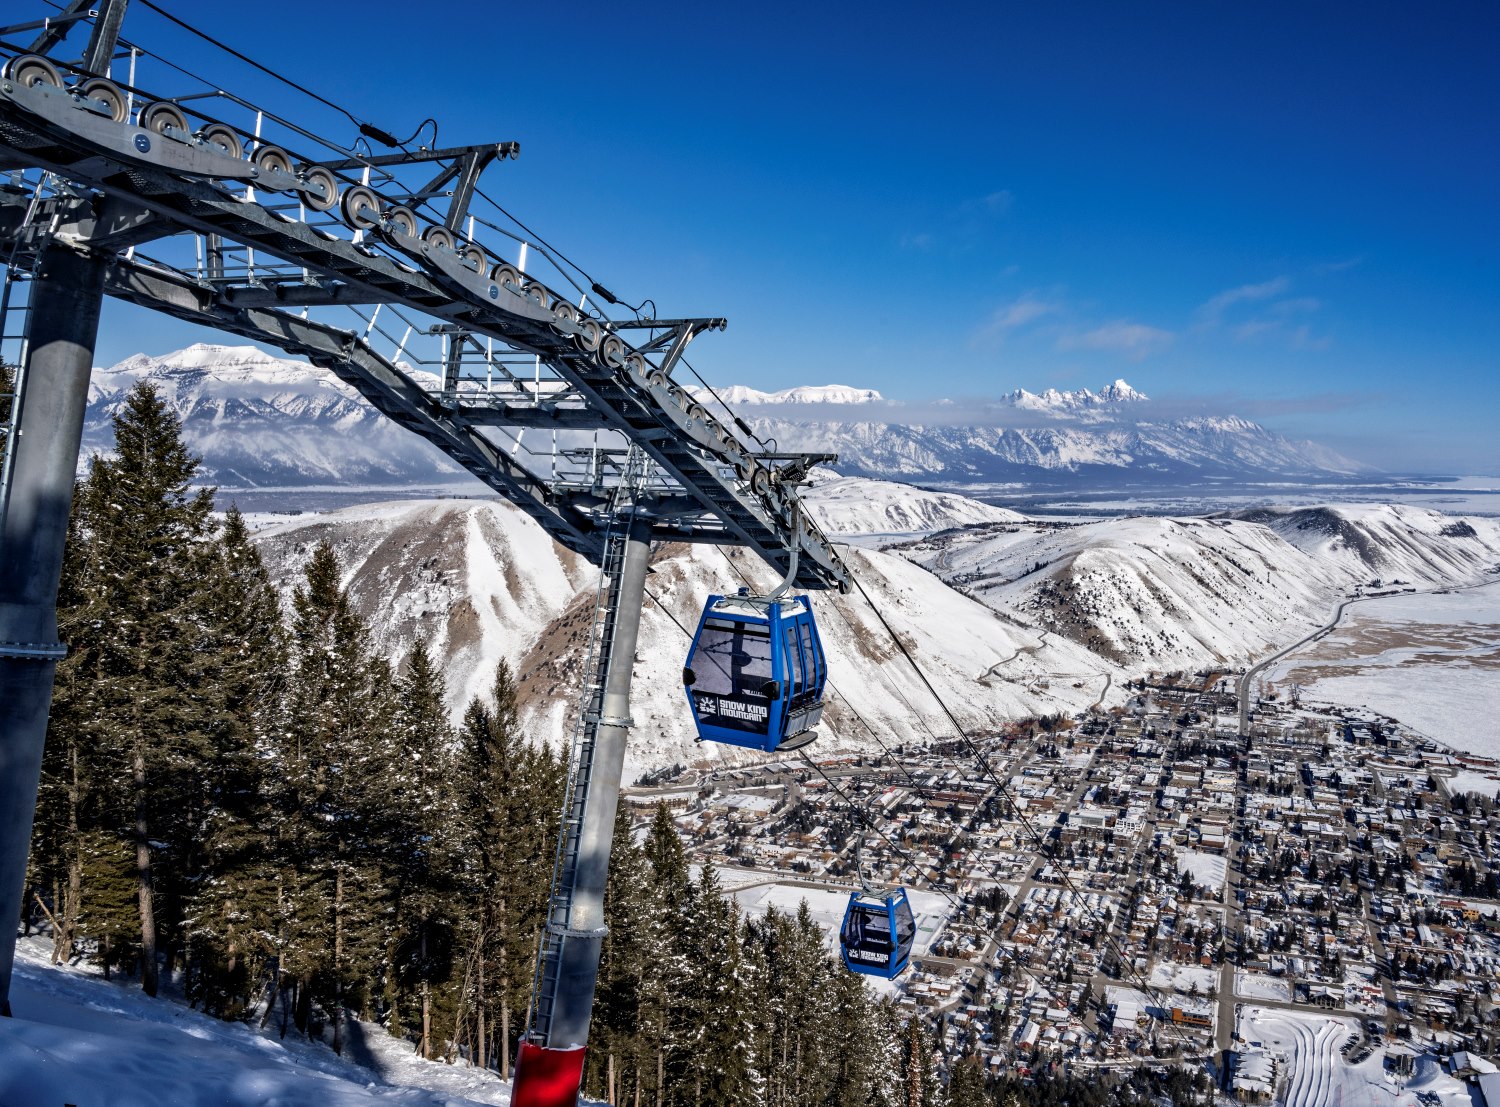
x,y
387,270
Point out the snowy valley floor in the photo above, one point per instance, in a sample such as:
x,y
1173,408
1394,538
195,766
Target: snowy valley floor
x,y
78,1039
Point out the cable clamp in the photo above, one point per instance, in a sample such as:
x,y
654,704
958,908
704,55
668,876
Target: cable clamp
x,y
34,651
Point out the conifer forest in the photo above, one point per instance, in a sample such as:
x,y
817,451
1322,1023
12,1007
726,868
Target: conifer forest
x,y
244,802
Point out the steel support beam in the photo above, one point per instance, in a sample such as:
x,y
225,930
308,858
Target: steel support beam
x,y
579,956
63,324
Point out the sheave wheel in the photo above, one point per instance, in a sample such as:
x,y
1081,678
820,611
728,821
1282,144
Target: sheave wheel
x,y
30,70
108,93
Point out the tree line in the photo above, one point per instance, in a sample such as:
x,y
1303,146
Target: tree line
x,y
244,802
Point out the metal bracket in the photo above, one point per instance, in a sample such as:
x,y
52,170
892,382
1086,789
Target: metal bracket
x,y
624,721
572,932
33,651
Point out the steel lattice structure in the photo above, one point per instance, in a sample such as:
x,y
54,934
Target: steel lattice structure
x,y
265,248
214,210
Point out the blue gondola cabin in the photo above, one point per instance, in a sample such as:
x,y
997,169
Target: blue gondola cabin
x,y
756,672
877,934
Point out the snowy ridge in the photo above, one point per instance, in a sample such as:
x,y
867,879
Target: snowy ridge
x,y
857,506
1168,593
263,421
1185,449
481,581
1008,617
737,395
1388,540
1055,402
260,420
476,579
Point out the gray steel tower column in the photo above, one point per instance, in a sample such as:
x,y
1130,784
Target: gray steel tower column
x,y
579,956
61,328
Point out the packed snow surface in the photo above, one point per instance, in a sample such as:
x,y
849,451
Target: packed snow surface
x,y
1312,1072
1188,979
1207,869
79,1039
1254,985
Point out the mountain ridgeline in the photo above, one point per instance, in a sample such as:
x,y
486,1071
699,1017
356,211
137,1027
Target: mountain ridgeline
x,y
1053,438
1010,617
264,422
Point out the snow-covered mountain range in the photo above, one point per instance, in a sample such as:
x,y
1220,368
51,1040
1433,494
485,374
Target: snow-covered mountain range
x,y
1052,436
263,421
1008,616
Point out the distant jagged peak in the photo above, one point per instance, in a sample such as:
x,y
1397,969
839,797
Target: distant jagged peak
x,y
1061,402
1120,392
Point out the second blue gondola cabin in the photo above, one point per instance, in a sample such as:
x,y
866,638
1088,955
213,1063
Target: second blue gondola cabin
x,y
877,934
755,674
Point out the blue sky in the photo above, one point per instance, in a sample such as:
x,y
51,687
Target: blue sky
x,y
1285,211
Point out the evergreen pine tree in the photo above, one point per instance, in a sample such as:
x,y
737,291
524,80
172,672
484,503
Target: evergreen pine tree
x,y
139,598
427,859
234,906
713,1010
335,795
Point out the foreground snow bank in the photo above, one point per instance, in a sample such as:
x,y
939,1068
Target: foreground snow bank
x,y
77,1038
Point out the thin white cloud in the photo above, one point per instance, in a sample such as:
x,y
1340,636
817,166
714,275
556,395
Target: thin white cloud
x,y
1136,340
1339,266
1008,317
1213,309
998,202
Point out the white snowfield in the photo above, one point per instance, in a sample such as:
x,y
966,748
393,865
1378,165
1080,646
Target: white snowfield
x,y
1254,985
1436,670
1207,869
81,1040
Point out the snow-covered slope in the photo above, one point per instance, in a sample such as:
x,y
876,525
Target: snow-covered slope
x,y
77,1038
1388,541
476,578
263,421
739,395
1158,593
1008,617
1172,592
1072,451
258,420
481,581
855,505
1079,402
1053,435
985,666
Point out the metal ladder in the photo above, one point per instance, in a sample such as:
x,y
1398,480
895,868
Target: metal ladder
x,y
581,764
15,308
15,315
